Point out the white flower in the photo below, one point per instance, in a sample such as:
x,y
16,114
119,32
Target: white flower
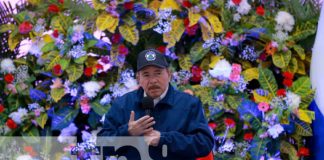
x,y
66,133
227,147
17,116
7,66
244,7
35,48
236,17
280,36
24,157
293,100
85,136
275,130
91,88
131,84
24,47
222,69
106,99
285,21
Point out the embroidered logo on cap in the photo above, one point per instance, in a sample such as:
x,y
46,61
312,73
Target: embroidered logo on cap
x,y
150,56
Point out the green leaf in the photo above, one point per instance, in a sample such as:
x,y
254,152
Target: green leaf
x,y
258,147
100,109
268,81
90,43
7,27
289,149
64,63
306,100
184,62
233,101
81,60
293,66
31,136
106,21
97,5
129,33
54,57
41,120
61,23
300,51
20,61
197,52
303,129
74,72
57,93
13,40
48,47
281,59
301,86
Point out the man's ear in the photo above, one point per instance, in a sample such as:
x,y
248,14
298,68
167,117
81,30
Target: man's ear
x,y
137,76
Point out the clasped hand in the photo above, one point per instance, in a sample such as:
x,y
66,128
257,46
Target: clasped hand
x,y
143,126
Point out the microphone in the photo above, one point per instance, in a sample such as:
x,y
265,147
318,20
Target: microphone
x,y
147,105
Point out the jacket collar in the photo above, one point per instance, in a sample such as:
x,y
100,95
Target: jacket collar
x,y
168,99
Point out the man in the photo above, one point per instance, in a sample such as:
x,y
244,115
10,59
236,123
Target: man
x,y
176,121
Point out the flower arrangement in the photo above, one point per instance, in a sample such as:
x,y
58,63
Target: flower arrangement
x,y
246,60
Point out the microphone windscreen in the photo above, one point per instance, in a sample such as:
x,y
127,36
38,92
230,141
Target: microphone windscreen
x,y
147,103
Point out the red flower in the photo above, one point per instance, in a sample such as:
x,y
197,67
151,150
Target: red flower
x,y
30,151
186,22
281,92
263,56
122,50
129,5
11,124
61,1
9,78
196,74
55,33
236,2
1,108
191,31
88,71
25,27
303,152
288,75
115,38
57,69
99,66
229,34
287,82
260,11
248,136
186,3
229,122
52,8
161,49
212,125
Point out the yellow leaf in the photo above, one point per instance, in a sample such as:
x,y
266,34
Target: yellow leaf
x,y
107,21
47,38
130,33
97,5
149,25
306,115
13,40
215,22
258,98
301,68
34,2
193,17
214,60
207,31
154,5
170,4
175,34
250,74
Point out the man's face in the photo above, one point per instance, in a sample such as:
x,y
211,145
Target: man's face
x,y
154,80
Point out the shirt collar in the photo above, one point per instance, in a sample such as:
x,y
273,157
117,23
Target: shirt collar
x,y
157,100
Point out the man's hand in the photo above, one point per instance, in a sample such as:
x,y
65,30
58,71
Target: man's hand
x,y
152,138
141,126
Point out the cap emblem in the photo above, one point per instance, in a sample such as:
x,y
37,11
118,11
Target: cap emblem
x,y
150,56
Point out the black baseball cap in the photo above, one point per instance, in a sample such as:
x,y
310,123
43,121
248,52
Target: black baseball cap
x,y
151,57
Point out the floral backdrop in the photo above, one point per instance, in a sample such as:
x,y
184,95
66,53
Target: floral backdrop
x,y
248,61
